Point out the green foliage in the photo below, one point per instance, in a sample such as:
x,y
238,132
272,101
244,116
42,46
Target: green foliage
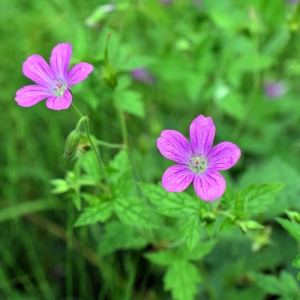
x,y
284,286
171,204
181,279
127,239
258,199
135,212
118,236
191,230
94,214
292,227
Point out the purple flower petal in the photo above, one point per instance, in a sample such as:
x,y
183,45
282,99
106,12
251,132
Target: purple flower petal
x,y
202,133
36,69
57,103
79,72
223,156
60,59
31,94
174,146
177,178
209,185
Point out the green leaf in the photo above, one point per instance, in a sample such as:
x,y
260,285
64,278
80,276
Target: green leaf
x,y
290,284
250,224
118,236
296,261
124,185
268,283
226,224
191,230
181,279
131,103
232,105
60,186
171,204
135,212
201,250
90,165
120,161
276,170
258,198
162,258
292,227
94,214
238,204
285,285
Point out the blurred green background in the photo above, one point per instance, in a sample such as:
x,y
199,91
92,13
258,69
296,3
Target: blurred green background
x,y
236,61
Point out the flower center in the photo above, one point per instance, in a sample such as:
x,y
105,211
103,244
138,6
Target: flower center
x,y
198,164
58,87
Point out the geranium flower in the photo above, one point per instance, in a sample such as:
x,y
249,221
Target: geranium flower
x,y
198,161
54,81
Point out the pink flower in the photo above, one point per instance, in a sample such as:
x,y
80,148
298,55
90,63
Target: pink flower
x,y
198,162
54,81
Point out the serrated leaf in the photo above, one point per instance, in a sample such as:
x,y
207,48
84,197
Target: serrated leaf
x,y
162,258
257,198
181,279
226,224
94,214
124,185
135,212
171,204
118,236
191,230
292,227
276,170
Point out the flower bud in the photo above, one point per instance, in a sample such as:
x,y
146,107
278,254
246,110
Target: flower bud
x,y
72,142
109,72
109,75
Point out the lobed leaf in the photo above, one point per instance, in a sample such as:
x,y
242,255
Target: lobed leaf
x,y
181,279
171,204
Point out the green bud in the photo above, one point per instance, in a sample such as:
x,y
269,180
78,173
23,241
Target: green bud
x,y
253,225
72,142
208,217
59,186
109,75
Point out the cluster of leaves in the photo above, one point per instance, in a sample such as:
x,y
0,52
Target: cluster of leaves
x,y
178,229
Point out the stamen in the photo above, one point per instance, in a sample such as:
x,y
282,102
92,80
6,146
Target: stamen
x,y
198,164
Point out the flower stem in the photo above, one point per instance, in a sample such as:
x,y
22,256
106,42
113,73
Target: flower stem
x,y
77,110
101,165
121,118
96,151
110,145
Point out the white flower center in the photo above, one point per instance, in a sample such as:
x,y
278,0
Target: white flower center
x,y
58,87
198,164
